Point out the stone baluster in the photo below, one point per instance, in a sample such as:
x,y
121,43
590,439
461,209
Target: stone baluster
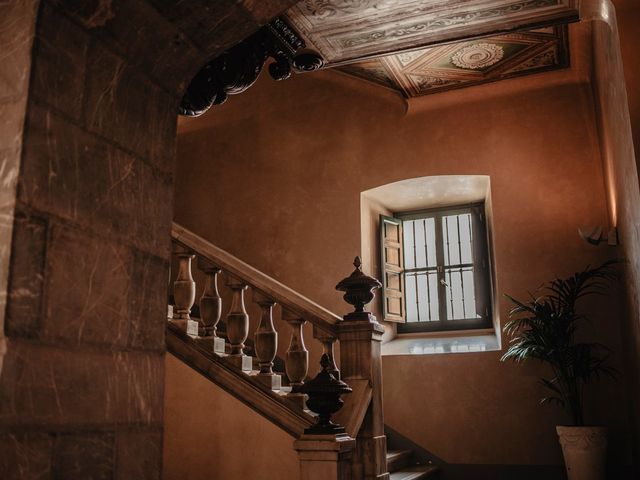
x,y
211,305
184,291
327,340
266,341
237,324
297,358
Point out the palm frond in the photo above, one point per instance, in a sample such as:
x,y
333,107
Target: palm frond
x,y
543,328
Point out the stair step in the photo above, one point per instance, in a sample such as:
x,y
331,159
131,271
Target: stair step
x,y
398,459
414,473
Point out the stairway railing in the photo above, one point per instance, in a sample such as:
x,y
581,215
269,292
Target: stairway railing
x,y
196,341
266,292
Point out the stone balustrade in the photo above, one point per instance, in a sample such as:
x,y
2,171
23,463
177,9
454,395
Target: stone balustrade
x,y
358,335
266,292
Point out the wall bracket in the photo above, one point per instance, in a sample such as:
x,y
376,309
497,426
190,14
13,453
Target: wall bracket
x,y
236,69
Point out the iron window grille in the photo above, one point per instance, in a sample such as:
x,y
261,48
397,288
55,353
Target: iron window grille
x,y
436,269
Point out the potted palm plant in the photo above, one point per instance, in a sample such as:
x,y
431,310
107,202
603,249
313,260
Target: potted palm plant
x,y
544,328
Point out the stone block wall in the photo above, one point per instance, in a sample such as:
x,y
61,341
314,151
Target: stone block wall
x,y
17,26
81,384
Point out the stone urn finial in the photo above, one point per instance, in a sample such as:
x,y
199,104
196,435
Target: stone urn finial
x,y
324,393
358,287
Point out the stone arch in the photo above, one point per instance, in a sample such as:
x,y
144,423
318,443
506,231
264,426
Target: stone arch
x,y
88,96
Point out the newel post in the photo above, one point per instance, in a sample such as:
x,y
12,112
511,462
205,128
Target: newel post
x,y
360,337
325,450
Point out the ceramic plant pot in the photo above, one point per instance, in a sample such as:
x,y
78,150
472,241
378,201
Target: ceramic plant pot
x,y
584,450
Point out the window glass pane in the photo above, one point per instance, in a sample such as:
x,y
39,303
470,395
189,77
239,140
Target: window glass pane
x,y
410,297
457,236
450,239
421,259
430,231
465,238
421,296
423,304
454,294
409,243
469,294
460,295
434,305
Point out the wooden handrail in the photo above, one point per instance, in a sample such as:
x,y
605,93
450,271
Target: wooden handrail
x,y
283,295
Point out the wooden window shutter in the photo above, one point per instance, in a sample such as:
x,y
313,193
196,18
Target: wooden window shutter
x,y
392,267
481,267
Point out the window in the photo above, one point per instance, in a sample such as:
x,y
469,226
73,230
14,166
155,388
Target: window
x,y
436,273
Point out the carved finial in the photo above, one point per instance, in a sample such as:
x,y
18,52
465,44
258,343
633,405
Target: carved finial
x,y
325,363
358,287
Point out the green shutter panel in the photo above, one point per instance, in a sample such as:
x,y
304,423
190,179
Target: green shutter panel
x,y
392,263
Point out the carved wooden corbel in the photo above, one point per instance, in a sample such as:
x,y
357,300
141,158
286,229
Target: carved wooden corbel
x,y
238,68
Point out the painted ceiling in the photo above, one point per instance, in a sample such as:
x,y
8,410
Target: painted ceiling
x,y
425,46
466,63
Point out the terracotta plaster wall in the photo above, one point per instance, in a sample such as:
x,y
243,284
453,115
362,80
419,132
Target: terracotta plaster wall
x,y
211,435
275,175
81,385
628,21
621,171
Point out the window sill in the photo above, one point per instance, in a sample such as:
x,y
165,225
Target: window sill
x,y
442,343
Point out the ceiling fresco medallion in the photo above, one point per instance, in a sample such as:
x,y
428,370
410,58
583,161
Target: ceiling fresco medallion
x,y
343,31
478,56
462,64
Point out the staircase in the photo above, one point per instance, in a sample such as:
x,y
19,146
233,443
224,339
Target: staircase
x,y
401,466
276,395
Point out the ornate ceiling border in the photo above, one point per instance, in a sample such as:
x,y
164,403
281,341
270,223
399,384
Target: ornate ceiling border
x,y
423,73
360,29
